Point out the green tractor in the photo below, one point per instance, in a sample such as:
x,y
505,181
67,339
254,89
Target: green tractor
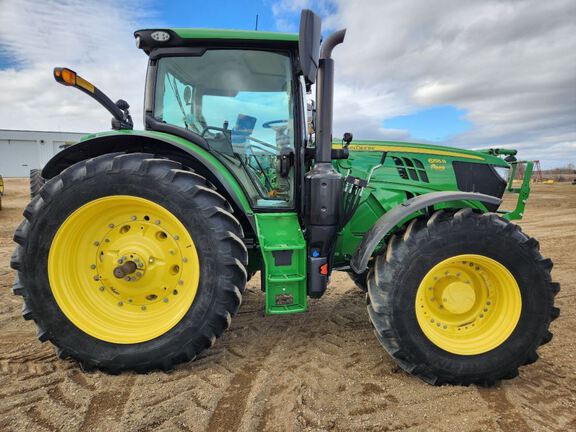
x,y
136,251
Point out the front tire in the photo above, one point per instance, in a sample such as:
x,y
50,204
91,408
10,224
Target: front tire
x,y
360,280
462,298
126,261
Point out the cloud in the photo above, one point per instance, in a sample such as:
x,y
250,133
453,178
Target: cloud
x,y
509,64
93,38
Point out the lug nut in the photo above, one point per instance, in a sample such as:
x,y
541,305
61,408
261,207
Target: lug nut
x,y
101,288
111,226
93,266
120,303
96,243
133,218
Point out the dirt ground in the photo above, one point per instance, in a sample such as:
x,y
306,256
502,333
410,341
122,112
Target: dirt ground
x,y
323,370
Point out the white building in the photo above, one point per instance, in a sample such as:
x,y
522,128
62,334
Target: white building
x,y
21,151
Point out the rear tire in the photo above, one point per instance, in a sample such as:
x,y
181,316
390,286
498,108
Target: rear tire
x,y
189,201
403,288
36,182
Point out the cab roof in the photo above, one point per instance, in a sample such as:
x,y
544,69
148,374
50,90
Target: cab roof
x,y
203,33
150,39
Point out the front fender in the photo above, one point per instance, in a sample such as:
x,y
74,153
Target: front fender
x,y
389,220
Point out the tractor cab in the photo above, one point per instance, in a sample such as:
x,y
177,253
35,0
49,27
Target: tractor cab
x,y
241,94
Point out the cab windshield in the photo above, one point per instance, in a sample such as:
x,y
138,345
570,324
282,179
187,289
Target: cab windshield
x,y
240,101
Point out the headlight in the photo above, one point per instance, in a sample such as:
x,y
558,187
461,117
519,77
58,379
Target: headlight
x,y
503,172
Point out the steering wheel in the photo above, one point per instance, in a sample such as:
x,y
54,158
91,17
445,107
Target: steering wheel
x,y
281,124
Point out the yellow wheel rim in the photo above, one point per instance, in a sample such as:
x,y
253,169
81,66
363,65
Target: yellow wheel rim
x,y
468,304
123,269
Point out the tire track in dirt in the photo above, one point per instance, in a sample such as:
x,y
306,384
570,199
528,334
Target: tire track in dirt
x,y
508,418
107,405
229,411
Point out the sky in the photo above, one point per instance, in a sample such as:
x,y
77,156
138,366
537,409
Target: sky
x,y
471,74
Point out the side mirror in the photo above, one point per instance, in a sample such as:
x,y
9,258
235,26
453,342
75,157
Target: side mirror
x,y
187,95
309,44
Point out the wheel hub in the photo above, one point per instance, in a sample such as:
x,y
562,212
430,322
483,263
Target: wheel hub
x,y
458,297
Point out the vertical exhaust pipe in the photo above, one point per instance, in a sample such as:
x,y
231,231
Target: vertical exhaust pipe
x,y
323,183
325,97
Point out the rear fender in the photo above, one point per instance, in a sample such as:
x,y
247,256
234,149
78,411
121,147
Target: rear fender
x,y
389,220
164,145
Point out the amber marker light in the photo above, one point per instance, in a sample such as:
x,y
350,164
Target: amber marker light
x,y
68,77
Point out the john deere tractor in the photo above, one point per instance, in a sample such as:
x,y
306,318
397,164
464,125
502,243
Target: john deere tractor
x,y
135,253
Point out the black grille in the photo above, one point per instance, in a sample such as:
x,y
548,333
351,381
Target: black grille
x,y
411,169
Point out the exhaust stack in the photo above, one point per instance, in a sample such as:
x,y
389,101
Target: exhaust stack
x,y
325,97
323,183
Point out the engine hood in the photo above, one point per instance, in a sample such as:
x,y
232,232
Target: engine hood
x,y
425,150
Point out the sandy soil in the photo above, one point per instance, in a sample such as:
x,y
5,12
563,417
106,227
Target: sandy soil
x,y
323,370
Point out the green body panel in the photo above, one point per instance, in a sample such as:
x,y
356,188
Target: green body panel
x,y
200,33
387,189
284,262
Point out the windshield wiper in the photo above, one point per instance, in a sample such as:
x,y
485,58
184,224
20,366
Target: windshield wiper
x,y
174,86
